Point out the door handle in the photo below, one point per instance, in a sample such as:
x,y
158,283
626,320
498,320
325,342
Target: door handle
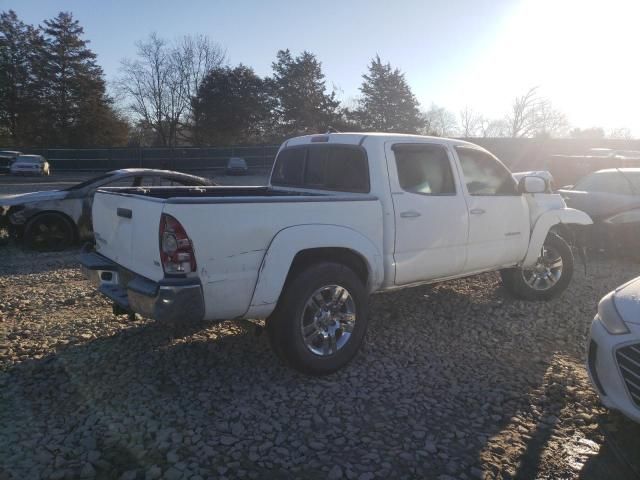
x,y
410,214
124,212
477,211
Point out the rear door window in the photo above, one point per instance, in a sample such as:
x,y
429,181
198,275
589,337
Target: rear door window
x,y
424,169
324,167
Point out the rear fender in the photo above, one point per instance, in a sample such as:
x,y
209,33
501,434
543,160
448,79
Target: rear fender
x,y
289,242
544,224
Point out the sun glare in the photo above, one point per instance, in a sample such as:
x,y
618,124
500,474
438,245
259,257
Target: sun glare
x,y
577,52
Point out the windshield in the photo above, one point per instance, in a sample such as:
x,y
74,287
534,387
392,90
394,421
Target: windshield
x,y
29,160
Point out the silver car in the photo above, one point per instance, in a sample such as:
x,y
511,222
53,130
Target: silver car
x,y
55,219
30,165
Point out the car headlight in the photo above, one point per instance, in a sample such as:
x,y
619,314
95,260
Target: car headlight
x,y
609,316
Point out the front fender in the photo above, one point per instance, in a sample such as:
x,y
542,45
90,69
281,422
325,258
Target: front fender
x,y
544,224
292,240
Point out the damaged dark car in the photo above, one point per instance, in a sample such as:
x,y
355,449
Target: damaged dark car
x,y
56,219
611,197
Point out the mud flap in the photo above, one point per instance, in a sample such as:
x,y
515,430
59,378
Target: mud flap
x,y
576,237
582,253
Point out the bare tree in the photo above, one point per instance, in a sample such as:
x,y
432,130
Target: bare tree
x,y
470,122
592,132
494,128
549,122
195,57
159,84
440,122
520,120
534,116
621,133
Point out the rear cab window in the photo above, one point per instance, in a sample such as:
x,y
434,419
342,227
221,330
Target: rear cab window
x,y
342,168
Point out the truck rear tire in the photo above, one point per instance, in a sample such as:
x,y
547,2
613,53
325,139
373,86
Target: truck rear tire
x,y
548,278
321,319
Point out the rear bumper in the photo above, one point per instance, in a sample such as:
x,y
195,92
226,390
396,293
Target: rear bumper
x,y
171,300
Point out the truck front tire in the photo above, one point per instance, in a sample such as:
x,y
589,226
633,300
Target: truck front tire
x,y
321,319
548,278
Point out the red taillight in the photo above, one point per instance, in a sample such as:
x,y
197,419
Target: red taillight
x,y
176,249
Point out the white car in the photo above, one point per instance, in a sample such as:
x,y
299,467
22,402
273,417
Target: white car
x,y
344,215
613,358
30,165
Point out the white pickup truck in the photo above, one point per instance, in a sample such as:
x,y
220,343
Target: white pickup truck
x,y
344,215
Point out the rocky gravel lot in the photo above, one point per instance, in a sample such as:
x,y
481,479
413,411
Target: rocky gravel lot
x,y
455,380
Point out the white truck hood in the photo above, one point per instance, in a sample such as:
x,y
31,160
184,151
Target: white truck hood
x,y
10,200
627,301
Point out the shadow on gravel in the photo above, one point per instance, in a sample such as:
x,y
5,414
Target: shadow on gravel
x,y
18,260
79,395
531,459
448,383
618,456
412,404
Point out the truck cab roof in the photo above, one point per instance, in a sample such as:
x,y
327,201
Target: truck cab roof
x,y
358,138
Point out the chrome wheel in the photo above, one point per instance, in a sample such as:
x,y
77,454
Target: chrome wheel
x,y
547,270
328,320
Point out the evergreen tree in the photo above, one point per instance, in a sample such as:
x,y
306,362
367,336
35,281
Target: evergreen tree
x,y
20,55
78,109
232,105
387,103
302,104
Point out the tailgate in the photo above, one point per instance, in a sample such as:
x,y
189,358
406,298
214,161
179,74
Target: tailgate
x,y
126,229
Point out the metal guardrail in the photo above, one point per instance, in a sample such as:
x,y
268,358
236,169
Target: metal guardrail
x,y
187,158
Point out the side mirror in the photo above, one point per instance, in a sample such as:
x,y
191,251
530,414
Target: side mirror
x,y
532,184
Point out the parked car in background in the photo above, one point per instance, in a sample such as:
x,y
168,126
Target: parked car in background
x,y
7,157
30,165
611,153
237,166
613,358
54,219
344,215
611,197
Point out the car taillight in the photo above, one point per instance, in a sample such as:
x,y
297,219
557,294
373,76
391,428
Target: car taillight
x,y
176,249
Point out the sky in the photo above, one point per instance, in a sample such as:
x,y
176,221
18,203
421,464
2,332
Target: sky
x,y
581,54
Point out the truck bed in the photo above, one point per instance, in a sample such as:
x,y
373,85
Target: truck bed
x,y
216,193
231,229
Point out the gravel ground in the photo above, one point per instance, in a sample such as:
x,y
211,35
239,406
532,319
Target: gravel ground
x,y
455,380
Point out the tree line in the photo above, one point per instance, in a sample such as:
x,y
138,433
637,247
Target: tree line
x,y
184,92
52,91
